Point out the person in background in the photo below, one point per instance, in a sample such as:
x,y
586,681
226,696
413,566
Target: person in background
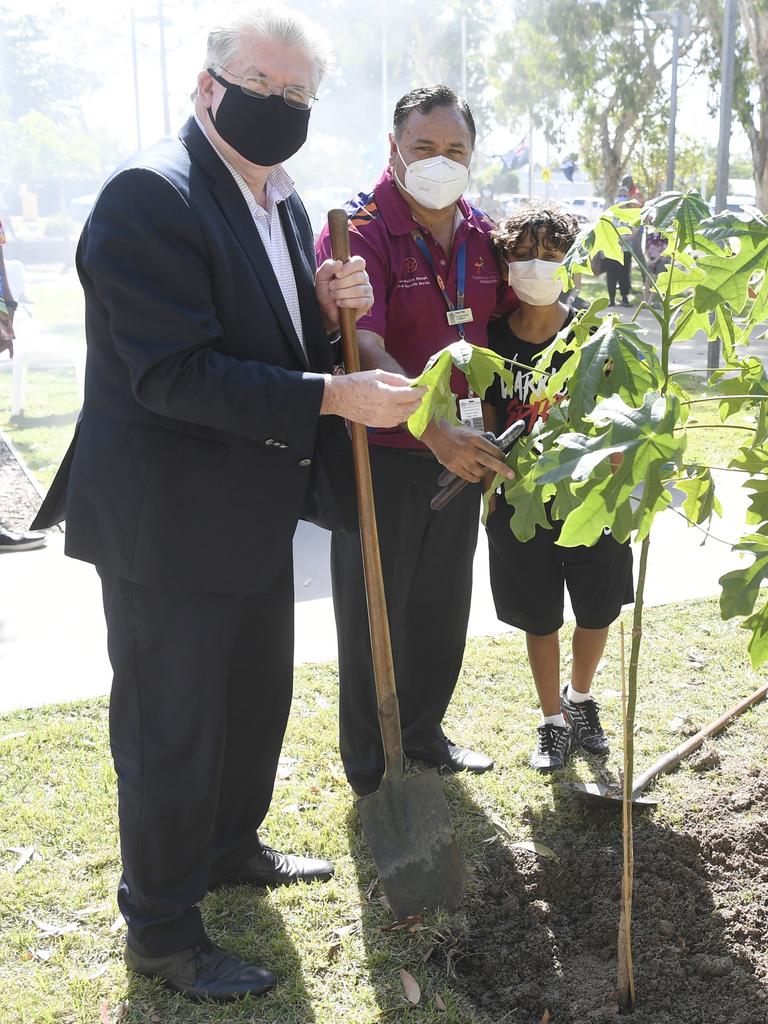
x,y
435,282
528,577
211,412
10,540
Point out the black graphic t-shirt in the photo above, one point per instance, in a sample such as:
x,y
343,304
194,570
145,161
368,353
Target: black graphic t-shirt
x,y
525,400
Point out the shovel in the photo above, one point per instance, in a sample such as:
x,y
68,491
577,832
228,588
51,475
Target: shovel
x,y
406,821
598,791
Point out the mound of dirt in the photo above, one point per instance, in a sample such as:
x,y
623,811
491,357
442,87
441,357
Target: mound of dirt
x,y
543,935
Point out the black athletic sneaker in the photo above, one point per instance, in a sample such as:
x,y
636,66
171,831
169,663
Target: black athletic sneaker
x,y
584,720
552,748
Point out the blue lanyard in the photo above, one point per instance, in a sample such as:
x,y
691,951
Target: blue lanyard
x,y
461,268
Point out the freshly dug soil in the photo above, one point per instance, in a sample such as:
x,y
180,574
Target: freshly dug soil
x,y
543,935
19,500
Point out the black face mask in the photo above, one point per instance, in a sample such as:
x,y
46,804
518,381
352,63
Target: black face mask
x,y
263,131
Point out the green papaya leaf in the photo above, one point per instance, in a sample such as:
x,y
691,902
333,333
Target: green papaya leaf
x,y
483,366
730,224
439,403
701,501
626,213
750,379
680,275
678,211
646,439
576,261
757,624
613,360
605,237
750,460
757,509
727,277
741,586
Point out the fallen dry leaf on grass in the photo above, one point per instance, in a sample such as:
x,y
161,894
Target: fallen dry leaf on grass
x,y
333,951
412,924
538,848
410,987
93,908
545,1018
12,736
43,955
25,853
104,1012
53,929
428,954
117,924
439,1002
346,929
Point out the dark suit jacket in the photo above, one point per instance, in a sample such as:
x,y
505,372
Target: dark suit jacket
x,y
200,429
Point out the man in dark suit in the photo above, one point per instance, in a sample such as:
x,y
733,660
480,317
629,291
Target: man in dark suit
x,y
211,424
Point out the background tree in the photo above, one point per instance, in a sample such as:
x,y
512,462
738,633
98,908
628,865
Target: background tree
x,y
750,79
608,59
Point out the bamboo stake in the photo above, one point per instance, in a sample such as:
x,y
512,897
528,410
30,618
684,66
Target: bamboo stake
x,y
626,985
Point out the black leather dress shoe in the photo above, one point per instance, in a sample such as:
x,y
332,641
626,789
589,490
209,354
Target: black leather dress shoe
x,y
453,758
204,972
269,868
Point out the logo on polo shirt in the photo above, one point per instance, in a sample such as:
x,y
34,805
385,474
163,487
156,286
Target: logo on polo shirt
x,y
479,263
411,266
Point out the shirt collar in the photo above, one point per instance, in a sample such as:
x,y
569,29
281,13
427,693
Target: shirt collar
x,y
278,186
396,213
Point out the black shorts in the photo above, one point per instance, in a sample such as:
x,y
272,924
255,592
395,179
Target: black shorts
x,y
528,578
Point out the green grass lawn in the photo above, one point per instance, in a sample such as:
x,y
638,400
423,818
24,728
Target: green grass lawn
x,y
60,959
42,434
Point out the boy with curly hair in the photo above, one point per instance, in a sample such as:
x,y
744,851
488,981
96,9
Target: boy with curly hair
x,y
528,578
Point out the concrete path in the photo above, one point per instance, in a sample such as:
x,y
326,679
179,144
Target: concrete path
x,y
52,637
53,642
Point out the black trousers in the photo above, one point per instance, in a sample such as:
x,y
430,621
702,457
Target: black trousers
x,y
200,700
618,274
427,562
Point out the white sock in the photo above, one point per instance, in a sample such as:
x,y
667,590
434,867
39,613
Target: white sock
x,y
553,720
575,697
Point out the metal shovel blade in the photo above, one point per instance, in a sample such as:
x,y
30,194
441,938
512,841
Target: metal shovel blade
x,y
410,834
598,791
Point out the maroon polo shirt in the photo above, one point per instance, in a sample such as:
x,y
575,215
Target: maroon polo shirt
x,y
409,309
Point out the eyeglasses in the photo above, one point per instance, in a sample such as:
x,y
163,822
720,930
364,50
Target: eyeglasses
x,y
260,88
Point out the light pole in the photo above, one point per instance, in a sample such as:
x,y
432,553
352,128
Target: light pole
x,y
727,62
134,58
163,70
680,27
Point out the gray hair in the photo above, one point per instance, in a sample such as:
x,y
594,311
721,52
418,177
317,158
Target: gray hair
x,y
280,23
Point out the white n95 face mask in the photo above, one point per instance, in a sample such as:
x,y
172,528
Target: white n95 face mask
x,y
534,281
435,183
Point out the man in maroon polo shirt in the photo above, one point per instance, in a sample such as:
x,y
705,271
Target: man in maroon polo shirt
x,y
435,281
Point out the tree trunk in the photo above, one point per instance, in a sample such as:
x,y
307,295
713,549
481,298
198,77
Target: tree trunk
x,y
755,18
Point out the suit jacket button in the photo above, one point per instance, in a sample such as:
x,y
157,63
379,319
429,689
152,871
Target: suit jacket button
x,y
305,462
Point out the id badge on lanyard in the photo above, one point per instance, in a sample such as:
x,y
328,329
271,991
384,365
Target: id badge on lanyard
x,y
471,408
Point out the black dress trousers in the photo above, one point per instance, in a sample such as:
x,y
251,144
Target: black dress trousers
x,y
427,563
199,705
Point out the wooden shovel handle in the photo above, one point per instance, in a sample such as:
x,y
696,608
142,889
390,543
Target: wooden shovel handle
x,y
381,647
674,757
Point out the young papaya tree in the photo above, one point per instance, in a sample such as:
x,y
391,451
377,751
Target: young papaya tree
x,y
614,443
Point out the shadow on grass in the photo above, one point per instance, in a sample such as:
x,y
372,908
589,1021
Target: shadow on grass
x,y
242,920
56,419
538,931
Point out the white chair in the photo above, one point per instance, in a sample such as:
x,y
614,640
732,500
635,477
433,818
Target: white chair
x,y
34,346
